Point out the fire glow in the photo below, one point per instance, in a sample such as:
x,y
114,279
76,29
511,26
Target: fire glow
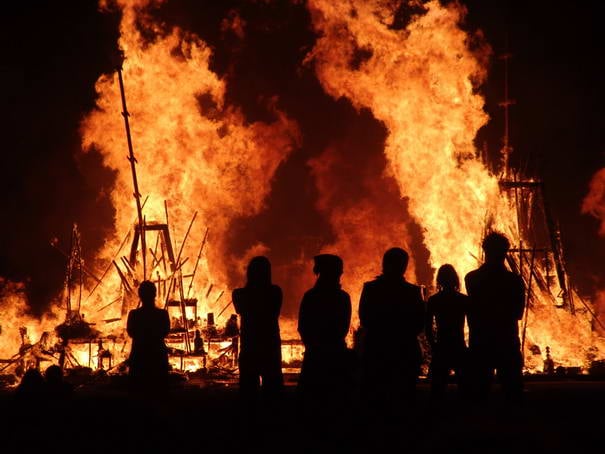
x,y
198,158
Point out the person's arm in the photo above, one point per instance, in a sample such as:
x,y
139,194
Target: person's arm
x,y
302,320
364,307
346,318
428,324
420,312
165,323
278,298
237,300
519,297
130,325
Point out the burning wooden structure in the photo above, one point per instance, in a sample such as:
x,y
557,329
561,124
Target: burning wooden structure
x,y
215,166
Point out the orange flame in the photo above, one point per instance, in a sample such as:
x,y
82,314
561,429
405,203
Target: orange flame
x,y
200,155
194,151
421,82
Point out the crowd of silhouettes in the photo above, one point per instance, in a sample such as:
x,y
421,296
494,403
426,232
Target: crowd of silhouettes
x,y
51,385
382,372
383,369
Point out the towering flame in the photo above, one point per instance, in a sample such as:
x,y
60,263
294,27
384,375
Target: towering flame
x,y
194,151
199,156
421,82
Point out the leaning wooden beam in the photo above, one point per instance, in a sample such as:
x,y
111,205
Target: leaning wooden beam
x,y
156,261
197,261
109,304
129,269
124,241
122,277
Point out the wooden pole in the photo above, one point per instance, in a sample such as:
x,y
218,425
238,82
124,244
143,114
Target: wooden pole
x,y
197,261
132,160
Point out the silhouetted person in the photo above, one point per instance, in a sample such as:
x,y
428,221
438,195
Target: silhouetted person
x,y
198,343
148,326
56,386
31,386
497,301
445,318
391,315
323,324
258,305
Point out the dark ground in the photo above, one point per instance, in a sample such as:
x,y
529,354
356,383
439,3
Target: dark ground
x,y
558,416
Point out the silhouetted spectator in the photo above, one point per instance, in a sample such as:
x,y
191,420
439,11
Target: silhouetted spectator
x,y
231,328
148,326
497,301
258,305
446,315
198,343
56,386
323,324
32,385
391,315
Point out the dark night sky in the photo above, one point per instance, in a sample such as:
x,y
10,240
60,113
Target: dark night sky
x,y
53,52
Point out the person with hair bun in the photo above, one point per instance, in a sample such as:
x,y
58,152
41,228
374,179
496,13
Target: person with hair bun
x,y
323,324
445,319
148,327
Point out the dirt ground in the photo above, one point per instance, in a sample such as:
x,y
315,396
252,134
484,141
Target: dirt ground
x,y
558,416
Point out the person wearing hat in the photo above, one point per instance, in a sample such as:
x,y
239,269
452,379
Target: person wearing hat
x,y
323,324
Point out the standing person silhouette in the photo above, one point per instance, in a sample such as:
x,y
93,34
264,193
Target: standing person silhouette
x,y
258,304
148,326
445,318
323,324
497,301
391,315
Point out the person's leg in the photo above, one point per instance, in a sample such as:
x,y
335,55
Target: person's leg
x,y
439,374
510,375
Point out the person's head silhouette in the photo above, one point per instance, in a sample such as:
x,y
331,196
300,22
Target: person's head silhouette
x,y
53,374
394,262
259,271
495,245
447,278
147,292
328,267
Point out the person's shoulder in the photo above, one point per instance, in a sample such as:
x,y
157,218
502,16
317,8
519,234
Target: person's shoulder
x,y
135,312
371,285
435,297
461,298
411,288
472,273
344,294
310,293
161,311
276,289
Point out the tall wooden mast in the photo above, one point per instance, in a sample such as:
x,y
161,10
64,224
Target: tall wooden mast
x,y
133,161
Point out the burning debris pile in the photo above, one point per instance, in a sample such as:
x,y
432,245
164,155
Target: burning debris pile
x,y
201,165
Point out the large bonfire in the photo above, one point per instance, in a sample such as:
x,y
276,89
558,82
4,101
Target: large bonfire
x,y
198,157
